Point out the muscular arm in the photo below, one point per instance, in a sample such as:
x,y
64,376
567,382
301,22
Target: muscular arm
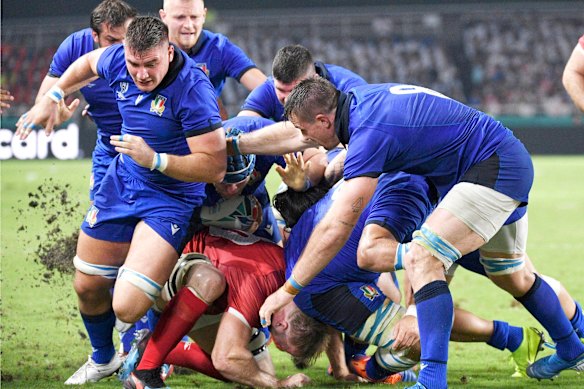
x,y
376,250
252,78
276,139
232,358
207,161
573,77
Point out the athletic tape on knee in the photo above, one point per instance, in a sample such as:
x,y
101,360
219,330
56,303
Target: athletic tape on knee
x,y
553,283
145,284
177,277
393,361
258,344
502,266
122,326
438,247
109,272
400,253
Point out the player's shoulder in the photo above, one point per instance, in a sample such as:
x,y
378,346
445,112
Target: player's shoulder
x,y
82,40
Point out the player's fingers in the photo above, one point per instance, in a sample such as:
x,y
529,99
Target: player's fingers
x,y
74,104
307,165
280,170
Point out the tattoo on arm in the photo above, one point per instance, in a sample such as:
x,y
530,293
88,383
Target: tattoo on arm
x,y
357,206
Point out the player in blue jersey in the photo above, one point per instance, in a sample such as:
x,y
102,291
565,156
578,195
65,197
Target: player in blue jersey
x,y
107,27
400,204
171,143
482,174
213,52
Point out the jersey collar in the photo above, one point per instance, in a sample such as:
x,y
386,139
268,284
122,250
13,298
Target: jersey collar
x,y
321,70
174,68
200,42
342,117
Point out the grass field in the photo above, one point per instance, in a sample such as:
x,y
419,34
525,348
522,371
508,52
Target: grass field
x,y
43,340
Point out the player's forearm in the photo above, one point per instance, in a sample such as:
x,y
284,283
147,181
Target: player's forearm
x,y
574,84
81,72
241,367
197,167
335,351
47,83
276,139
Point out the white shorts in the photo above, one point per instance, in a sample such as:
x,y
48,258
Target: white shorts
x,y
482,209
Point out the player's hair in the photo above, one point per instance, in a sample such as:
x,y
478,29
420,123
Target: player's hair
x,y
309,336
165,1
292,204
310,97
115,13
291,63
145,33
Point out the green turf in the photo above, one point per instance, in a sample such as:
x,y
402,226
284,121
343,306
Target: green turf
x,y
43,340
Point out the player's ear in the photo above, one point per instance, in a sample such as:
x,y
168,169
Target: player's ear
x,y
170,53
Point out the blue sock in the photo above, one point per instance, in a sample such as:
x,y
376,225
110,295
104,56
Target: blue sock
x,y
353,348
542,302
100,330
153,317
375,371
578,321
505,336
435,314
126,338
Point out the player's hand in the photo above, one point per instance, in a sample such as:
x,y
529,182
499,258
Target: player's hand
x,y
405,333
4,97
65,112
135,147
44,114
296,172
85,111
346,376
297,380
273,304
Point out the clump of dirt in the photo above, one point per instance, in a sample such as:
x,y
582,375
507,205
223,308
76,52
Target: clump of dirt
x,y
54,247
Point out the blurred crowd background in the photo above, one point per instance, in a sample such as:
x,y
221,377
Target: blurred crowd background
x,y
503,58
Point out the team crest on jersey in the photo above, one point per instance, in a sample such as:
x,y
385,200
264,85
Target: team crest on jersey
x,y
254,177
123,89
157,105
204,67
369,292
91,217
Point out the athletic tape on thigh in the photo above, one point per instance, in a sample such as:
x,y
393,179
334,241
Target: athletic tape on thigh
x,y
553,283
502,266
393,361
377,329
438,247
109,272
148,286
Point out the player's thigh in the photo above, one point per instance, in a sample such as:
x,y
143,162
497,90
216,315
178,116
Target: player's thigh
x,y
147,267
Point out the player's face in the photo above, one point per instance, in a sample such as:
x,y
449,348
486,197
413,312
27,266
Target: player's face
x,y
228,191
283,89
185,19
149,68
320,130
110,35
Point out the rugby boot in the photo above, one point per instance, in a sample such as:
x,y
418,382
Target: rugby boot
x,y
358,365
526,353
145,379
551,366
93,372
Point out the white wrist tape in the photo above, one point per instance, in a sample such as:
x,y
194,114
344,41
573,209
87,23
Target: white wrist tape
x,y
411,311
56,94
159,162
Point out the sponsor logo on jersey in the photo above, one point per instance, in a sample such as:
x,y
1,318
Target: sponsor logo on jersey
x,y
157,105
91,217
123,89
369,292
174,228
138,99
203,66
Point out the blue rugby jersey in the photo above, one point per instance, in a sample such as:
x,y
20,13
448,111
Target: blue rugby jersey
x,y
401,203
219,58
103,108
263,99
182,106
392,127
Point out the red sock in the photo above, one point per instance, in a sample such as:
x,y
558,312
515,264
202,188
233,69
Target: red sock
x,y
177,319
192,356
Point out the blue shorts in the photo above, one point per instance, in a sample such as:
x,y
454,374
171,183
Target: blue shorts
x,y
101,158
331,307
123,200
509,171
401,204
